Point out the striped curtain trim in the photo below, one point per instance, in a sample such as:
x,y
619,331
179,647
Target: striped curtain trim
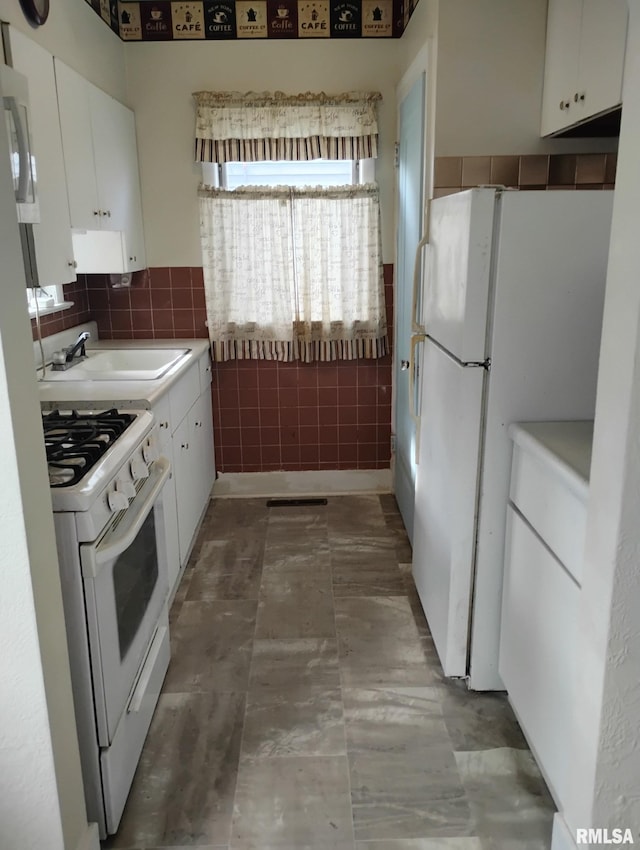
x,y
294,150
306,352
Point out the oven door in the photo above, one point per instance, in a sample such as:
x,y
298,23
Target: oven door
x,y
126,587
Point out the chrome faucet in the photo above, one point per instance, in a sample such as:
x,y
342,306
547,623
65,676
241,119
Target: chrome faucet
x,y
77,345
63,359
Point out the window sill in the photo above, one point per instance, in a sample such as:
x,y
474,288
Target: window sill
x,y
45,311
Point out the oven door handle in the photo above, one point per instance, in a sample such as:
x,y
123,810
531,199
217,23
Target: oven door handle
x,y
132,521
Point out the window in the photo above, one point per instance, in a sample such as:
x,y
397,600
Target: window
x,y
50,299
290,225
293,273
315,172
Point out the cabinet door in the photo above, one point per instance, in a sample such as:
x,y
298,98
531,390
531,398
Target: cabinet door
x,y
537,649
187,492
106,128
602,49
133,229
116,159
52,235
203,445
564,21
169,504
77,145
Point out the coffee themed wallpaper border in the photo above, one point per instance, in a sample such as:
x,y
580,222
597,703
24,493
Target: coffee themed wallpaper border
x,y
215,20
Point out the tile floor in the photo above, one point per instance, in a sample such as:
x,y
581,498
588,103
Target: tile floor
x,y
305,708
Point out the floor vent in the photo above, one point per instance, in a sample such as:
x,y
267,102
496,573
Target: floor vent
x,y
295,503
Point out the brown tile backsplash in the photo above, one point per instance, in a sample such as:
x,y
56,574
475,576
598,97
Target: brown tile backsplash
x,y
476,170
80,312
591,168
534,170
554,171
447,171
267,415
505,170
293,416
562,170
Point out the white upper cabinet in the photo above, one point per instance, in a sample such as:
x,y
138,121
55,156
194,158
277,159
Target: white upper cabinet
x,y
604,38
584,61
52,235
101,160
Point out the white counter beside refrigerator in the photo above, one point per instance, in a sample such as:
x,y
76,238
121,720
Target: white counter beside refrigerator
x,y
512,312
544,548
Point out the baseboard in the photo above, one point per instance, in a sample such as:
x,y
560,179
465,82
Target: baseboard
x,y
562,837
91,838
326,482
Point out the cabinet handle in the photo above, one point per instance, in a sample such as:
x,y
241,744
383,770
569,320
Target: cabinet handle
x,y
164,424
579,97
565,104
184,446
107,213
97,212
72,264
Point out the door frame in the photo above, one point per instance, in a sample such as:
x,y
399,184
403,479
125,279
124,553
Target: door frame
x,y
424,62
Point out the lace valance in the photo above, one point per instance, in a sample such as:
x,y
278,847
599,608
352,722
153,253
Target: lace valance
x,y
254,127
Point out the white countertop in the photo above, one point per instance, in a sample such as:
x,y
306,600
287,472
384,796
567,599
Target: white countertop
x,y
122,393
565,447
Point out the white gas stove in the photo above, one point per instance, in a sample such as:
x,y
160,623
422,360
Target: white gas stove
x,y
106,476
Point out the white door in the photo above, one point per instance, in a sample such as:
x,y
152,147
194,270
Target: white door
x,y
411,157
456,287
446,497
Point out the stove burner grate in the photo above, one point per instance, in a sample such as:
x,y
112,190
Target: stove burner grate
x,y
76,441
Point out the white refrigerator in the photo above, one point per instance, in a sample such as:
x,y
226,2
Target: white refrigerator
x,y
512,301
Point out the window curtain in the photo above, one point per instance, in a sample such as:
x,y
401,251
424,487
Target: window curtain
x,y
253,127
293,274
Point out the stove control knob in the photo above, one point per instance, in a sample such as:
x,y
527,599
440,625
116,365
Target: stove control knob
x,y
126,488
117,501
150,452
139,469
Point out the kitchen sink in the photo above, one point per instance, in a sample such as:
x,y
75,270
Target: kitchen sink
x,y
122,364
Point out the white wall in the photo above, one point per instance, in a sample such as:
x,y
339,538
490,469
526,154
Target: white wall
x,y
489,80
75,34
605,759
41,796
161,79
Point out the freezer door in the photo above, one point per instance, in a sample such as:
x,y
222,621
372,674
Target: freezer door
x,y
456,278
446,498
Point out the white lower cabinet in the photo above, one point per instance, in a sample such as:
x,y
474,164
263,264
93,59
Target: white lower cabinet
x,y
537,648
544,548
185,423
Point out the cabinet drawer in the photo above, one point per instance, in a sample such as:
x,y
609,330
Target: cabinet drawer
x,y
537,648
183,394
205,371
552,506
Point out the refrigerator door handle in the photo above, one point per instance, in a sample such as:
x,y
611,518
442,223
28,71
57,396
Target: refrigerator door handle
x,y
416,339
416,326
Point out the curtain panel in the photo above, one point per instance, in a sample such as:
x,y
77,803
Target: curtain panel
x,y
293,274
254,127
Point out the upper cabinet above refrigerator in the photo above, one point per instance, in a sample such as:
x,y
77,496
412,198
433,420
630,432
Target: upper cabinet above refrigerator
x,y
584,61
